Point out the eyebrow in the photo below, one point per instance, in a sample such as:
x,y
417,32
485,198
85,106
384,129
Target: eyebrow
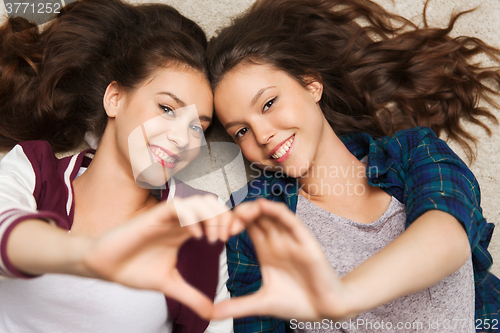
x,y
254,100
258,94
206,118
182,104
174,97
231,124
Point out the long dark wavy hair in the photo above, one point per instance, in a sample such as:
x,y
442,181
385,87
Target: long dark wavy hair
x,y
52,83
380,72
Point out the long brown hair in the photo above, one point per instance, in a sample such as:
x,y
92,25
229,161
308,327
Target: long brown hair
x,y
52,83
379,76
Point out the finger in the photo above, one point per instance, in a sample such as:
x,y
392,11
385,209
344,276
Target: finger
x,y
261,243
164,213
299,239
273,246
276,244
273,231
188,220
237,226
278,211
195,230
211,227
226,222
247,212
272,226
160,220
178,289
284,217
202,209
240,307
216,219
212,214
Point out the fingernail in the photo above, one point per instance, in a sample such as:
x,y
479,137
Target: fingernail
x,y
197,232
236,227
224,235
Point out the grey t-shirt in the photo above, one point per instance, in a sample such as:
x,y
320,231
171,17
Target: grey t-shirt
x,y
448,306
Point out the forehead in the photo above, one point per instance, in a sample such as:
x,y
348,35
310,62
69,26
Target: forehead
x,y
183,84
250,73
248,78
240,83
238,89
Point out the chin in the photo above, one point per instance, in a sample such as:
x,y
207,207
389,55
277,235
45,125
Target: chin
x,y
152,177
297,169
293,171
297,173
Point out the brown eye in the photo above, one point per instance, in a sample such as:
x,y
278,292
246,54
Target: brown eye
x,y
240,133
269,104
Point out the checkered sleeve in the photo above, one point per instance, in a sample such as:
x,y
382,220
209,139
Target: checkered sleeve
x,y
436,178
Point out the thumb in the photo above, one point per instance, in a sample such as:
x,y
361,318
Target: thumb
x,y
178,289
238,307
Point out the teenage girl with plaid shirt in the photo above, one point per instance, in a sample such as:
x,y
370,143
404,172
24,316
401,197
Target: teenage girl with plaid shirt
x,y
310,94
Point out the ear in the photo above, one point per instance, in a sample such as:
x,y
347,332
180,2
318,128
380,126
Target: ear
x,y
111,100
314,86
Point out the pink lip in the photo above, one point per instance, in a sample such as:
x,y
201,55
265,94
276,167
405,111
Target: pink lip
x,y
161,161
287,154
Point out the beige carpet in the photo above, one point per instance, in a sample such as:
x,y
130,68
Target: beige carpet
x,y
483,23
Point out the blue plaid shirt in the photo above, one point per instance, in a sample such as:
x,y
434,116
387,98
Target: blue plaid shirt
x,y
419,170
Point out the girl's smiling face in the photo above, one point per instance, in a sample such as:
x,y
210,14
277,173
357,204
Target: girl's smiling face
x,y
159,125
274,119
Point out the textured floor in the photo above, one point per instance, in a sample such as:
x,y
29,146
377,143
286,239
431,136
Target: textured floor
x,y
483,23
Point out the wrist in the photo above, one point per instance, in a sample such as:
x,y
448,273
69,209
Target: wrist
x,y
341,303
77,250
35,247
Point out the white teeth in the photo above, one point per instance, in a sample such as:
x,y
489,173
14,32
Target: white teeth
x,y
283,149
165,157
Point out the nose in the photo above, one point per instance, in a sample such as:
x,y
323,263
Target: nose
x,y
179,136
264,132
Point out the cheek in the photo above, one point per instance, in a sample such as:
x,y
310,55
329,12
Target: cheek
x,y
138,151
250,151
158,125
192,153
195,142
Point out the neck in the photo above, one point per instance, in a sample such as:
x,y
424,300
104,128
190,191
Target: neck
x,y
335,173
108,187
337,182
